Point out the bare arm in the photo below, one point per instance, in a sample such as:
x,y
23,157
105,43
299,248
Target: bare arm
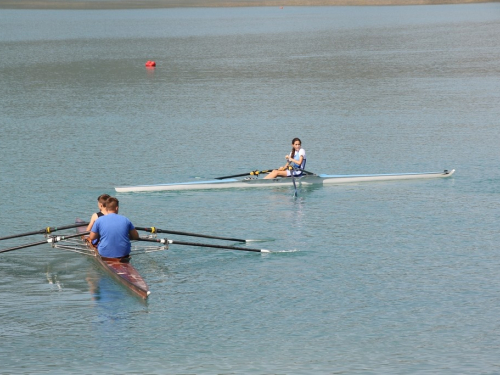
x,y
132,234
93,236
298,162
92,220
284,168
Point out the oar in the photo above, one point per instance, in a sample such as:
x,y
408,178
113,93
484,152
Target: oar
x,y
294,184
51,239
304,171
167,241
157,230
256,173
252,173
45,231
292,169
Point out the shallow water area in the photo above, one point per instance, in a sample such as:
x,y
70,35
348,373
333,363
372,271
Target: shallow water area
x,y
386,277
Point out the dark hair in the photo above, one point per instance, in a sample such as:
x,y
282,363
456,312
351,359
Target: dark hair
x,y
293,149
102,199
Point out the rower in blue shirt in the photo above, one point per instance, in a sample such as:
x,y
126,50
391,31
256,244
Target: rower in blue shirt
x,y
114,232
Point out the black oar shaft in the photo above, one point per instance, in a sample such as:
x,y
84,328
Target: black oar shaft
x,y
218,246
252,173
52,239
23,246
203,245
44,231
156,230
256,173
305,172
232,176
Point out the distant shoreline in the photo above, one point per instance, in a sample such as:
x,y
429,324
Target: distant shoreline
x,y
155,4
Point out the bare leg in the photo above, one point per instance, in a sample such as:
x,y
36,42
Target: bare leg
x,y
275,173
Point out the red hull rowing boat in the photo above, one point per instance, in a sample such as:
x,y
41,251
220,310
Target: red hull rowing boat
x,y
120,269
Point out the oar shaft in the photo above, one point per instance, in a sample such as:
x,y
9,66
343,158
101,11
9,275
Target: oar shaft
x,y
23,246
232,176
218,246
61,238
252,173
303,170
51,239
294,184
153,230
203,245
44,231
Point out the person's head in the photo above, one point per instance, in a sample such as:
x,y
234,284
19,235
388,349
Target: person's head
x,y
101,200
296,142
296,145
112,205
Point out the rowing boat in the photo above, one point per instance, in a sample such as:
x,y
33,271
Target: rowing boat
x,y
120,269
305,180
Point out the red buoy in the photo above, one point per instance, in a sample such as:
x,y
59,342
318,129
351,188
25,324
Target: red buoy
x,y
150,64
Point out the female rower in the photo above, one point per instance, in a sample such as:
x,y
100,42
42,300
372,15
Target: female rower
x,y
101,204
296,159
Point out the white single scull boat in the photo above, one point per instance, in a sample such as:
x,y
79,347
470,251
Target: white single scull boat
x,y
302,181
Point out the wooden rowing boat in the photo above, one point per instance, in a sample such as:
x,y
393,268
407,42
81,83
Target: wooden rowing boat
x,y
120,269
302,181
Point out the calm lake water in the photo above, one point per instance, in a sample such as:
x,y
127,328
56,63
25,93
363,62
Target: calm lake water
x,y
390,277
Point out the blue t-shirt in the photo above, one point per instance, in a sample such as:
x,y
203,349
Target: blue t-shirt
x,y
114,240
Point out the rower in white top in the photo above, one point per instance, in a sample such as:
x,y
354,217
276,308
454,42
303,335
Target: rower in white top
x,y
296,162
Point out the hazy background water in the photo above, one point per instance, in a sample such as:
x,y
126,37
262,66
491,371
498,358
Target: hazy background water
x,y
398,277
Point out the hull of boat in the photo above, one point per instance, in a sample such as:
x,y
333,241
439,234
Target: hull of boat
x,y
121,270
124,273
303,181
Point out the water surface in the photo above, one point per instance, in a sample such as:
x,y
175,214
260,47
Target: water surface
x,y
392,277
